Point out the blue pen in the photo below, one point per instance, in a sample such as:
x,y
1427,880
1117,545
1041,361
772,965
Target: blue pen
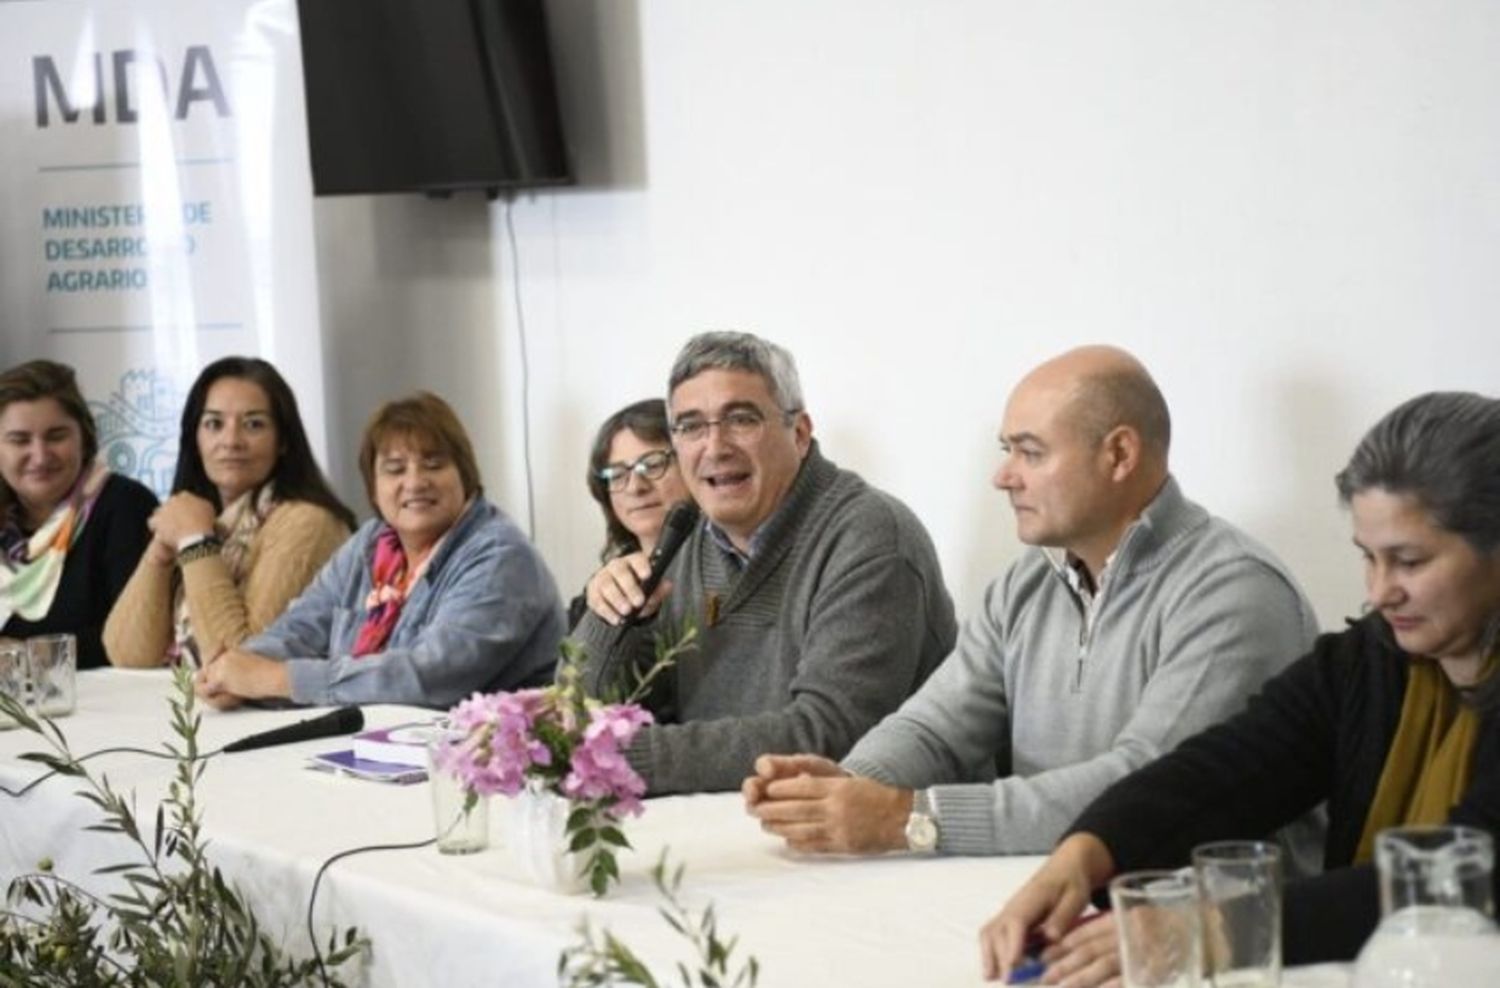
x,y
1032,967
1027,972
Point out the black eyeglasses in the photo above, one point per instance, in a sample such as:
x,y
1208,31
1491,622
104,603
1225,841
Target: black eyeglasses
x,y
738,425
652,466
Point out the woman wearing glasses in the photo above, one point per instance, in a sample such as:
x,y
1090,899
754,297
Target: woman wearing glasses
x,y
633,475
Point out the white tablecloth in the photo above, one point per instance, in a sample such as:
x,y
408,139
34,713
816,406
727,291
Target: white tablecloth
x,y
455,921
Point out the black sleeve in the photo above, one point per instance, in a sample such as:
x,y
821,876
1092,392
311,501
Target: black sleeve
x,y
1329,916
118,541
98,566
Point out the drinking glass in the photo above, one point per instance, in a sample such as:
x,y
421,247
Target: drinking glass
x,y
12,677
1156,913
1239,891
52,661
463,823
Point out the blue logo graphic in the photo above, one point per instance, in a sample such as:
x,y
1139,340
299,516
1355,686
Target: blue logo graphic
x,y
138,428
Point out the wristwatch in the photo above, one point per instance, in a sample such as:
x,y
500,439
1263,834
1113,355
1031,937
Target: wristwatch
x,y
921,825
197,546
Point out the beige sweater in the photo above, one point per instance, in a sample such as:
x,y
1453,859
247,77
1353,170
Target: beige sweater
x,y
295,541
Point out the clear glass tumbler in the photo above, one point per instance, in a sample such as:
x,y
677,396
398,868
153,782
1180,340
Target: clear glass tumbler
x,y
53,663
1239,891
1156,913
12,678
462,820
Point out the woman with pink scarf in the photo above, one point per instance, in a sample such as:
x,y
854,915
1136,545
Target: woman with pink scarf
x,y
437,597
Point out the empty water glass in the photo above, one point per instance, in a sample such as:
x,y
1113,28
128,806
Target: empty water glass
x,y
1156,913
462,820
12,677
1239,885
52,661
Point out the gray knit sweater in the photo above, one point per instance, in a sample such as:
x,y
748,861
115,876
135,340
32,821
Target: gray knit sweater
x,y
838,618
1190,617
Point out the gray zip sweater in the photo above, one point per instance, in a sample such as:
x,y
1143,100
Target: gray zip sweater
x,y
837,619
1190,617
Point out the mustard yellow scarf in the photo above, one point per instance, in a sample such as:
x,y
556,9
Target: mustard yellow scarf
x,y
1430,762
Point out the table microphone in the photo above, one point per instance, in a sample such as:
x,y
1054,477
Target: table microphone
x,y
344,720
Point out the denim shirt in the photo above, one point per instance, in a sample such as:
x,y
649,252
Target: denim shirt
x,y
485,616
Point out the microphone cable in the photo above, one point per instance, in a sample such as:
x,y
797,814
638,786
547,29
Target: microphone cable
x,y
80,759
203,757
318,879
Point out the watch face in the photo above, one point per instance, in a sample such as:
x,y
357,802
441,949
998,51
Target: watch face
x,y
921,832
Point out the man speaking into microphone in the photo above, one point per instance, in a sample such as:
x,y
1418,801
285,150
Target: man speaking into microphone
x,y
818,599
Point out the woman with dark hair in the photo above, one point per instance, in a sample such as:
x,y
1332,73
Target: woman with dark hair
x,y
633,476
438,596
251,519
1394,721
70,530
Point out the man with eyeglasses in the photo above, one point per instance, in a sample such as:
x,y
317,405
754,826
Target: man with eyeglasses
x,y
818,600
1137,620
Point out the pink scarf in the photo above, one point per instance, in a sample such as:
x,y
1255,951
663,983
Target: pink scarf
x,y
391,579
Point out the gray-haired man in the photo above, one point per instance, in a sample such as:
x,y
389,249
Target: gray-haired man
x,y
818,600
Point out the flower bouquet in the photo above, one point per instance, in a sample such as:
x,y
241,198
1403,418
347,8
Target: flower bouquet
x,y
562,741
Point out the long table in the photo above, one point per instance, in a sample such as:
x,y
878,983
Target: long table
x,y
455,921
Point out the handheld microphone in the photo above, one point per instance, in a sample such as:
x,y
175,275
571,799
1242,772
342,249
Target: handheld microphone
x,y
675,529
344,720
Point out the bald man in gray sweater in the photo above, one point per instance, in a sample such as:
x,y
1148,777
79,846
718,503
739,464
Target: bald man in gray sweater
x,y
1136,620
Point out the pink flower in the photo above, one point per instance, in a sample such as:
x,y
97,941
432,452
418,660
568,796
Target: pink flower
x,y
599,768
499,746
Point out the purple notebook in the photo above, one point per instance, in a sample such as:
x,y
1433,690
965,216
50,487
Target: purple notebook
x,y
344,763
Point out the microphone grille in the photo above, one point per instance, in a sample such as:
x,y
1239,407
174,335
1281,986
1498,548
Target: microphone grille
x,y
350,718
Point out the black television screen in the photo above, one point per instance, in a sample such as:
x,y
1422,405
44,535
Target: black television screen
x,y
430,95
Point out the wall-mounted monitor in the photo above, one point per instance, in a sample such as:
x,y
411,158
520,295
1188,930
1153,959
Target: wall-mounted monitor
x,y
430,96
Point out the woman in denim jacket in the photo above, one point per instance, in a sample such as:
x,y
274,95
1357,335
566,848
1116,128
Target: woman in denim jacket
x,y
437,597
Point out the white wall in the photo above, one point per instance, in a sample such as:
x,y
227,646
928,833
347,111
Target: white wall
x,y
1289,210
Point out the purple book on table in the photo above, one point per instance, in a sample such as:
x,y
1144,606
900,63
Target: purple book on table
x,y
403,744
344,763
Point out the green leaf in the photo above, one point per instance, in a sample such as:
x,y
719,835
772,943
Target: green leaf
x,y
583,839
57,763
182,927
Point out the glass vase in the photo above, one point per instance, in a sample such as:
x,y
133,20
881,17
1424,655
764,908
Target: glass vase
x,y
535,827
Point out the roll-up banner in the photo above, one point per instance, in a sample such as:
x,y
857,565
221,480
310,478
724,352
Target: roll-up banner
x,y
156,206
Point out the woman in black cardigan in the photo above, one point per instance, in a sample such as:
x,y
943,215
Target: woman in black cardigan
x,y
70,530
1395,720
